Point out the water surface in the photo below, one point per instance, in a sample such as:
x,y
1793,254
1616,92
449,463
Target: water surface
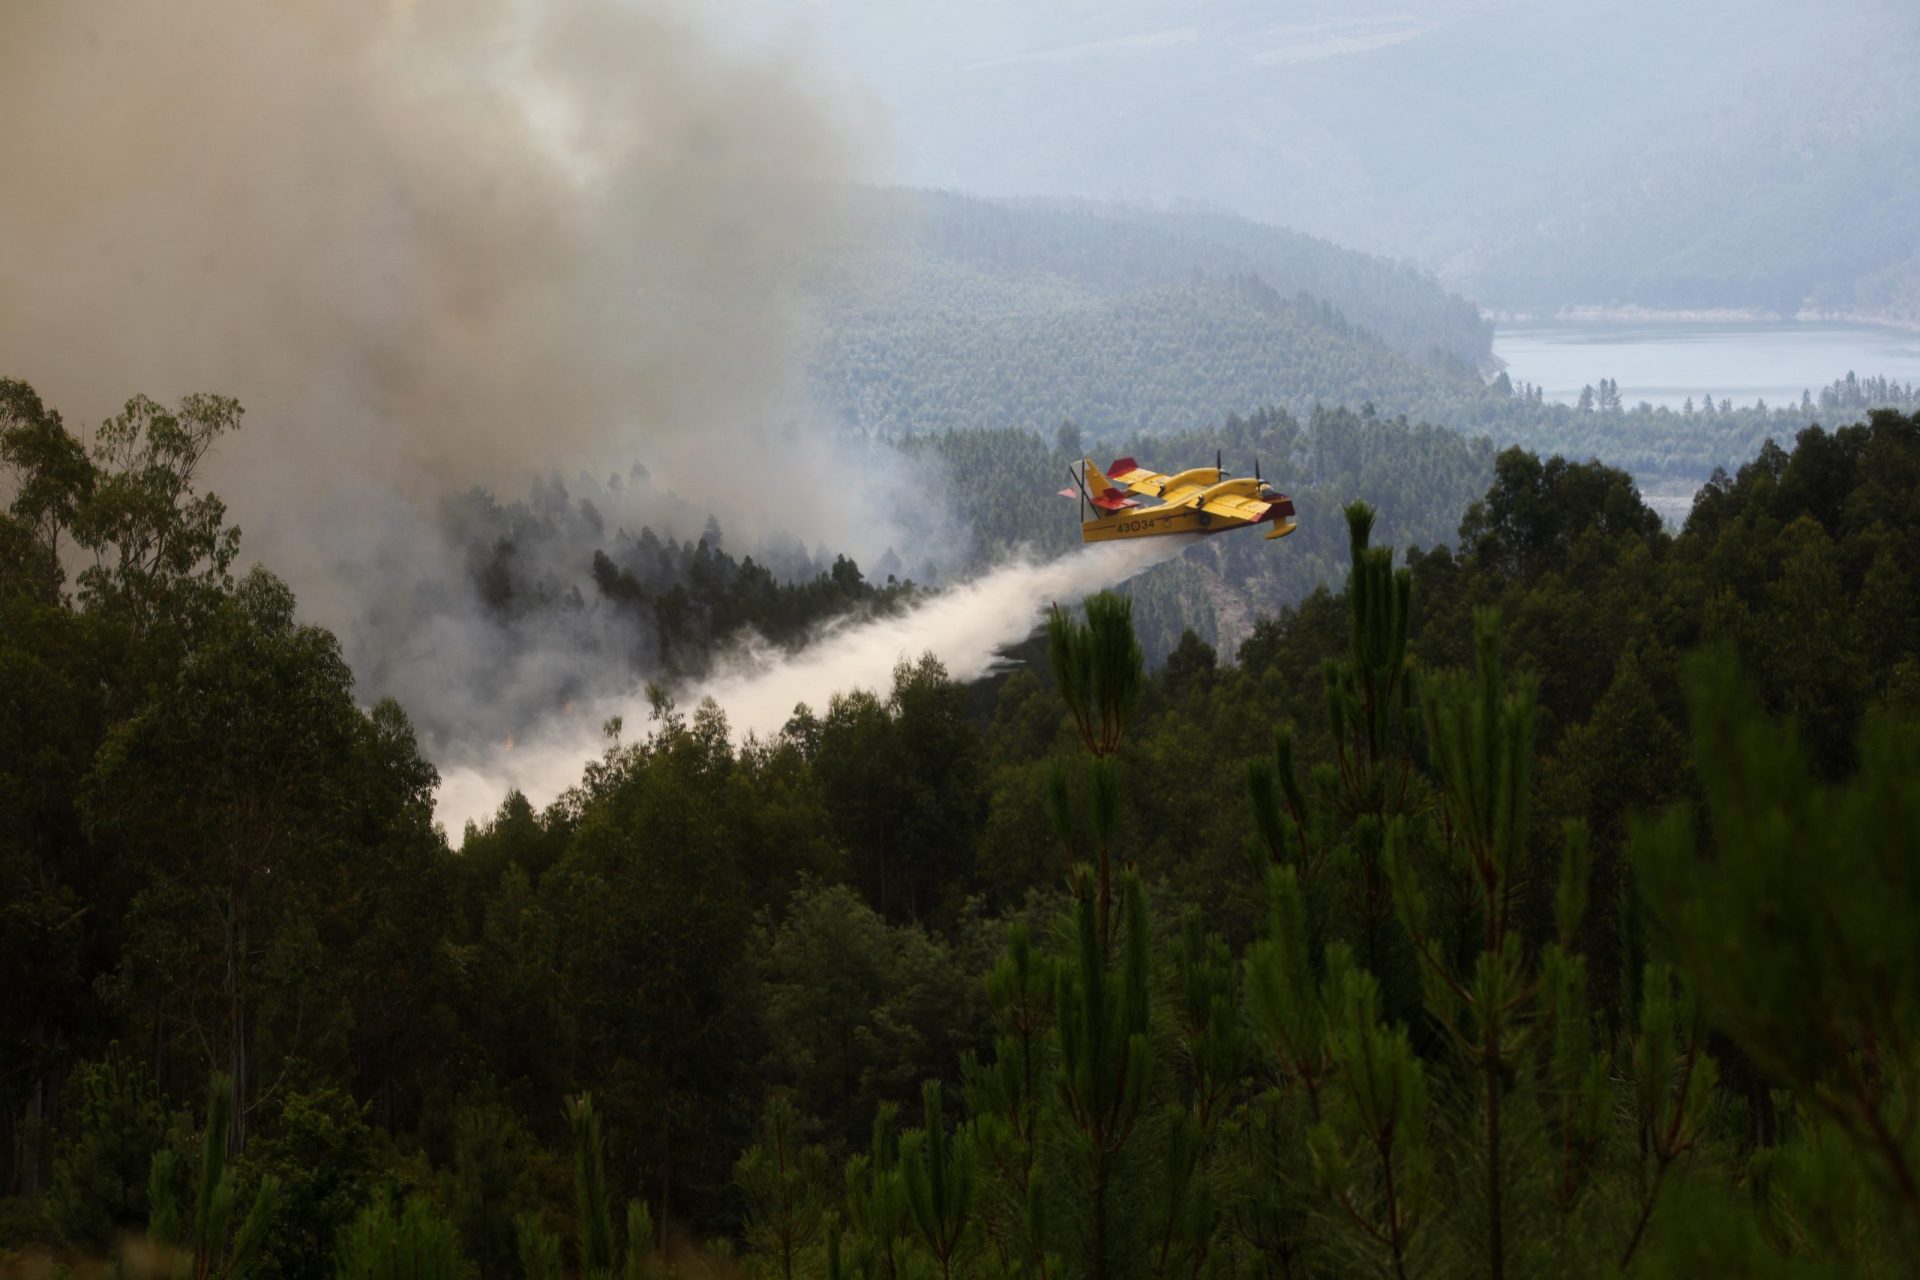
x,y
1665,362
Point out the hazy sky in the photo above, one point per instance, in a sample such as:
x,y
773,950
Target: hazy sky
x,y
1426,128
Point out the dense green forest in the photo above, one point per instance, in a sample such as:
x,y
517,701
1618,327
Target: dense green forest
x,y
1655,443
1539,905
1421,476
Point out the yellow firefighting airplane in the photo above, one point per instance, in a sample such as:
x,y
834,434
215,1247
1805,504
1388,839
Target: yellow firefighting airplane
x,y
1198,500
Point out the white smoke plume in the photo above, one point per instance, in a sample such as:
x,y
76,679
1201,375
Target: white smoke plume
x,y
966,627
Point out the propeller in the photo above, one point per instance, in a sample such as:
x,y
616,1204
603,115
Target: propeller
x,y
1216,462
1080,483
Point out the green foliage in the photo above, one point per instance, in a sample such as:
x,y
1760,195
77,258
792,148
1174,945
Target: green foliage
x,y
321,1153
224,788
1793,921
1285,1010
1370,1148
640,1242
492,1184
53,477
937,1174
212,1234
783,1178
877,1213
1369,702
902,779
1099,668
99,1186
1412,991
857,1009
591,1205
1105,1070
1480,738
159,546
537,1248
1007,1098
414,1243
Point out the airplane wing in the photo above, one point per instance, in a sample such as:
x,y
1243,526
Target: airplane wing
x,y
1137,478
1151,483
1238,508
1176,492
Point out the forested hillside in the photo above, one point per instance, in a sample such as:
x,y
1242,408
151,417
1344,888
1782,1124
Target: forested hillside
x,y
996,315
976,313
1542,906
1656,443
551,600
1420,476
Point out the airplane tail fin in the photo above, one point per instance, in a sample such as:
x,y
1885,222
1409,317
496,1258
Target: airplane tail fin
x,y
1105,494
1097,482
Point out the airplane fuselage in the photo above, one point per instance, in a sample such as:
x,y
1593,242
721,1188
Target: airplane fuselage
x,y
1203,500
1147,522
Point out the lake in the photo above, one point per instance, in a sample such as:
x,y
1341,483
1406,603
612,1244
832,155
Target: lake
x,y
1664,362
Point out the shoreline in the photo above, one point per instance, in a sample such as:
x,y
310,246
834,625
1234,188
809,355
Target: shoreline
x,y
1584,313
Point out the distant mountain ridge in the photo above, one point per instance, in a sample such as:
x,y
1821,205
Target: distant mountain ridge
x,y
1756,154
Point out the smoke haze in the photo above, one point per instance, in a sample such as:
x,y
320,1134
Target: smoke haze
x,y
966,627
429,245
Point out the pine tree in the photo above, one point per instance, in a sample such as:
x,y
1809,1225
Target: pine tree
x,y
1795,923
416,1243
99,1183
1481,988
1100,671
876,1204
1337,818
783,1178
590,1190
538,1248
200,1236
1105,1065
593,1207
1006,1097
937,1173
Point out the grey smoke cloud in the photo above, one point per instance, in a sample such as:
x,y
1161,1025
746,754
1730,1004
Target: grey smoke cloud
x,y
429,244
472,236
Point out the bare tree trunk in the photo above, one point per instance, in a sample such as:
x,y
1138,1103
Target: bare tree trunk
x,y
237,1017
